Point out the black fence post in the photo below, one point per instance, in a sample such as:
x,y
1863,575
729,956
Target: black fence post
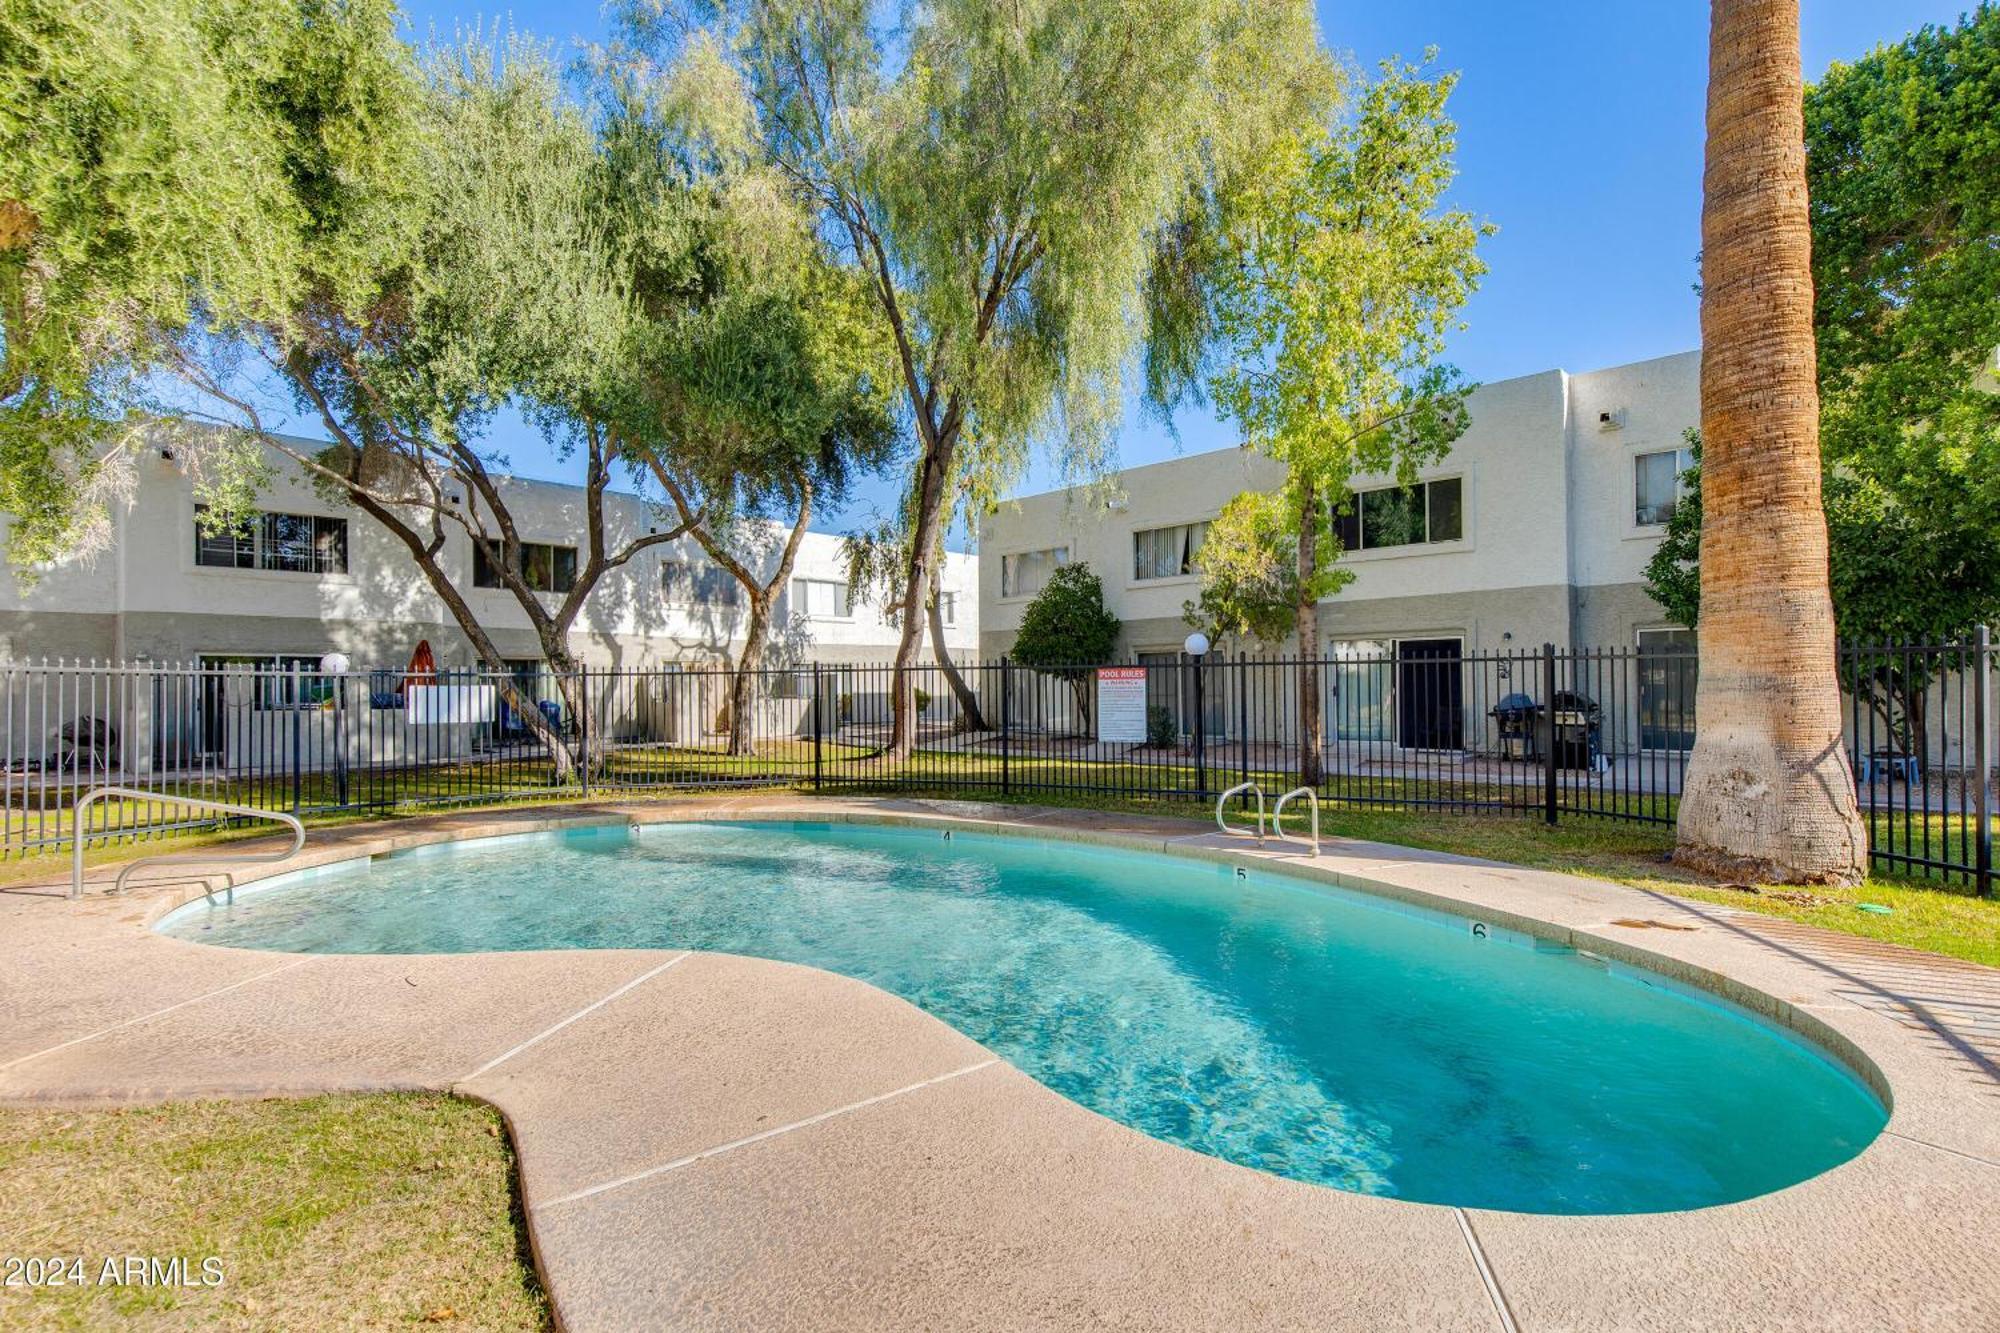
x,y
339,737
296,706
1006,726
583,723
819,725
1200,733
1242,720
1982,730
1549,750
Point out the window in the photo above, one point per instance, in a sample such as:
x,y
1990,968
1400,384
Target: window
x,y
277,680
948,607
289,543
821,599
1027,573
1668,671
698,585
544,568
1657,485
1428,512
1166,553
528,675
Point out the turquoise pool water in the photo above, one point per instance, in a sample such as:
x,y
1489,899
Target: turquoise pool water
x,y
1328,1036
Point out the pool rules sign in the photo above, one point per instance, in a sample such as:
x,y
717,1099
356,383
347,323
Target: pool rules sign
x,y
1121,704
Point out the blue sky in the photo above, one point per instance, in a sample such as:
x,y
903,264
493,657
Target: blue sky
x,y
1580,137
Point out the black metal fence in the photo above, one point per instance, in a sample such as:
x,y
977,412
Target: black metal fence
x,y
1545,733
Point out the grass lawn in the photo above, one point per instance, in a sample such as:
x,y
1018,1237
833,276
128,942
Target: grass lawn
x,y
325,1212
1925,915
1927,912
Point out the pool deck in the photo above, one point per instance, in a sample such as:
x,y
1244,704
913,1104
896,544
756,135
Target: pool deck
x,y
708,1141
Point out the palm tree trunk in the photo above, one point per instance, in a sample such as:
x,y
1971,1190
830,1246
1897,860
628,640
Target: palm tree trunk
x,y
1769,792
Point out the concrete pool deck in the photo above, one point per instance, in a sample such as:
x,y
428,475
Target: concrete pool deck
x,y
708,1141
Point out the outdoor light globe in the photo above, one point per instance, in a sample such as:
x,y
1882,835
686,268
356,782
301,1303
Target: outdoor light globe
x,y
1197,644
334,664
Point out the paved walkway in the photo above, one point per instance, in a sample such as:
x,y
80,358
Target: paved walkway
x,y
718,1142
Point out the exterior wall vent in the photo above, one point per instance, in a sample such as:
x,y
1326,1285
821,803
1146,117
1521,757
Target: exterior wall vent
x,y
1612,419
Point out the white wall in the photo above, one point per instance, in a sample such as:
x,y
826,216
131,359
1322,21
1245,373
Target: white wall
x,y
151,579
1514,464
1656,402
1178,491
1515,461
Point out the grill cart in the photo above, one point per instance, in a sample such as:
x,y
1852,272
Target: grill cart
x,y
1577,724
1516,718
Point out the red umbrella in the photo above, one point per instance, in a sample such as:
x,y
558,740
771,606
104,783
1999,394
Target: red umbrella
x,y
423,666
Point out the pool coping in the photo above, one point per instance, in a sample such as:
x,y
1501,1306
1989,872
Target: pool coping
x,y
1814,1031
1521,1265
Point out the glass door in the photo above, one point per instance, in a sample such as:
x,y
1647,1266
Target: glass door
x,y
1430,701
1170,684
1360,702
1667,672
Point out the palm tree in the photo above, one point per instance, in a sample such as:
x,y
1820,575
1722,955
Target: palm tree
x,y
1769,792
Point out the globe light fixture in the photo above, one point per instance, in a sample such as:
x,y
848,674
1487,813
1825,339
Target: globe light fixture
x,y
1197,644
334,664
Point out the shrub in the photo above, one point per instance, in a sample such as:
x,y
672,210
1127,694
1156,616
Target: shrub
x,y
1067,631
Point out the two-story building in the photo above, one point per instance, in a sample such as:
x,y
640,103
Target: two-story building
x,y
312,575
1536,527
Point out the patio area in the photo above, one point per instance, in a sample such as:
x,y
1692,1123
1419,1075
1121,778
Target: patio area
x,y
708,1141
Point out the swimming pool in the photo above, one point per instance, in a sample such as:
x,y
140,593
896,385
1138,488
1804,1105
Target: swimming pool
x,y
1333,1037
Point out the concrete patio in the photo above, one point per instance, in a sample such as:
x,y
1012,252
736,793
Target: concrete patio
x,y
709,1141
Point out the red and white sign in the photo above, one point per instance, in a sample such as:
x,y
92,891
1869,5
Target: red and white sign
x,y
1121,704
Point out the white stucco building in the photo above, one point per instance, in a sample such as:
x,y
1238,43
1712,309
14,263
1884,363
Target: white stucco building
x,y
315,575
1535,528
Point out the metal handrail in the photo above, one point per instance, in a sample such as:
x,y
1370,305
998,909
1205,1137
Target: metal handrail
x,y
96,794
1223,800
1278,818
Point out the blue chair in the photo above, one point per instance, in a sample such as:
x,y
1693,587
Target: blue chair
x,y
1890,764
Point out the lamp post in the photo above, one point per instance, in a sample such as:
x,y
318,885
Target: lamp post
x,y
1197,648
336,665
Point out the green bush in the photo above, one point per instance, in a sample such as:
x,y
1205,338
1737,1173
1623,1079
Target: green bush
x,y
1161,732
1068,632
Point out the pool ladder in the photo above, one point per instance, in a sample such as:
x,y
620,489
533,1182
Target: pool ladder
x,y
1278,818
1223,800
1277,814
96,794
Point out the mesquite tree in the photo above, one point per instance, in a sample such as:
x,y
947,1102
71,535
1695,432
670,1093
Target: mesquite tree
x,y
761,400
1015,182
147,192
493,275
1340,273
775,408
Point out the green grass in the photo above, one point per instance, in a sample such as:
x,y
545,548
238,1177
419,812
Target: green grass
x,y
344,1212
1927,914
1930,910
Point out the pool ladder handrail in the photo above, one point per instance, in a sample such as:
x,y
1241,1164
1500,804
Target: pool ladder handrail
x,y
80,835
1278,818
1223,800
